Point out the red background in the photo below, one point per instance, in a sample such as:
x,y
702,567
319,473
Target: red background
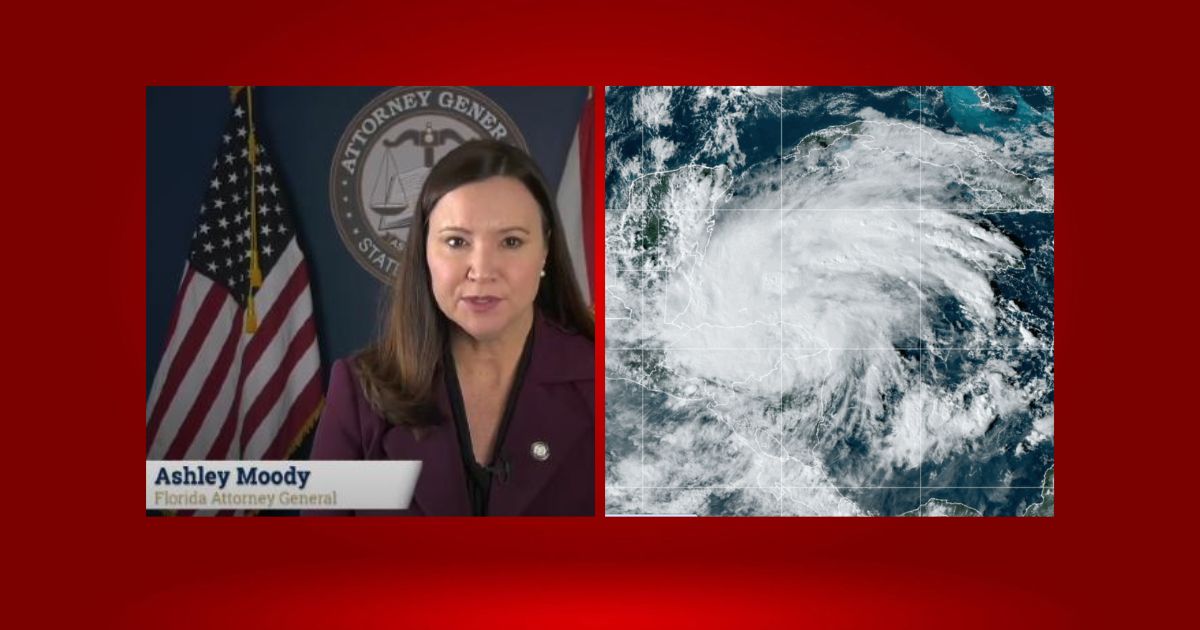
x,y
80,549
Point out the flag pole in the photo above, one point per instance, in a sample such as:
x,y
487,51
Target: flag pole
x,y
255,270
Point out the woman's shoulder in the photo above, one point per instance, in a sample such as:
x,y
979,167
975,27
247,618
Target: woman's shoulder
x,y
571,353
349,428
348,383
567,337
344,376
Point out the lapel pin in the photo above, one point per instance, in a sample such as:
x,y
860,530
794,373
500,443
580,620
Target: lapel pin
x,y
540,451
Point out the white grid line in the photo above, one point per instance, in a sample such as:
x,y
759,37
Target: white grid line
x,y
830,349
642,440
642,502
641,354
642,499
1013,210
830,487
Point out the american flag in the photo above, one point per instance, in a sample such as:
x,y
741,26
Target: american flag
x,y
240,377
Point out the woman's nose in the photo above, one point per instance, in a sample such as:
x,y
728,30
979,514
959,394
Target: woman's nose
x,y
482,265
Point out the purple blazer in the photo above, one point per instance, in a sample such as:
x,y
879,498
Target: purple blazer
x,y
555,406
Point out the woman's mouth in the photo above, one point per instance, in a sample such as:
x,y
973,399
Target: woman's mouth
x,y
481,303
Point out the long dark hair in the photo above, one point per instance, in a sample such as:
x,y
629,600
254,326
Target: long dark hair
x,y
397,371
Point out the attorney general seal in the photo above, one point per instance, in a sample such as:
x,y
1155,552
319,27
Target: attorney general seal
x,y
385,154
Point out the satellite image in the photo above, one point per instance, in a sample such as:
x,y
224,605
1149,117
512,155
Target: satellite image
x,y
827,301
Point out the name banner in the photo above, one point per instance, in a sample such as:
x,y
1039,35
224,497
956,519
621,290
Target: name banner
x,y
280,485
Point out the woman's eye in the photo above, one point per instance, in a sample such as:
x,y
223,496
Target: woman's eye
x,y
456,242
512,242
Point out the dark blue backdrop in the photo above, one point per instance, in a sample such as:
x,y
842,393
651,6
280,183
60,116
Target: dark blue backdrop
x,y
301,127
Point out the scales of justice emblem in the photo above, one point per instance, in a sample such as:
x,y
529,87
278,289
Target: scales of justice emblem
x,y
395,193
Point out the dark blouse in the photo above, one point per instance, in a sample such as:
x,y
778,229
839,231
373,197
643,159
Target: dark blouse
x,y
479,477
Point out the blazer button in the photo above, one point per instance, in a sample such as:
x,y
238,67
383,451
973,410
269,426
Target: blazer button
x,y
540,451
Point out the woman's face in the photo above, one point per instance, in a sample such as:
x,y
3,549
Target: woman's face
x,y
486,250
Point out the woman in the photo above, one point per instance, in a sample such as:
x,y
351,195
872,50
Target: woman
x,y
484,370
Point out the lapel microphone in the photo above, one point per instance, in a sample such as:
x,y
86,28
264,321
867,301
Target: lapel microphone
x,y
500,469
